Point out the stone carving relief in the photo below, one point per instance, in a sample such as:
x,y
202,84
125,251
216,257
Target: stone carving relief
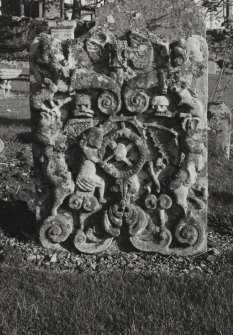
x,y
120,142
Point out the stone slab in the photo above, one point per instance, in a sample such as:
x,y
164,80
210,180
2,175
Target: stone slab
x,y
62,23
62,29
63,33
119,119
212,67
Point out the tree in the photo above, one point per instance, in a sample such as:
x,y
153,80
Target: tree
x,y
77,7
215,7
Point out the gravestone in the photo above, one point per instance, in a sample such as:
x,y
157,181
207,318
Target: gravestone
x,y
120,147
220,125
63,29
212,67
6,76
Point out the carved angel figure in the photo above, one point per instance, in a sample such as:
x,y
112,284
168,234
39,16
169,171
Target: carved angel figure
x,y
43,99
87,179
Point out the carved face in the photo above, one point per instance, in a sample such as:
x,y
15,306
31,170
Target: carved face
x,y
160,104
95,138
83,106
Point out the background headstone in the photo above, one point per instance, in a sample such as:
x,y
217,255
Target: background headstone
x,y
212,67
63,30
220,127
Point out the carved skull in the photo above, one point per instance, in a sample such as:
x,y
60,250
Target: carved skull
x,y
121,153
83,106
160,104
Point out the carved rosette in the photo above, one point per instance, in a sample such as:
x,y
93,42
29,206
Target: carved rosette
x,y
136,101
120,141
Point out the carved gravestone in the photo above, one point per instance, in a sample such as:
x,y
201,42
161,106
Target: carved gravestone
x,y
119,126
220,124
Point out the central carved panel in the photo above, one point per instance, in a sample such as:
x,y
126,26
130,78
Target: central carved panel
x,y
120,141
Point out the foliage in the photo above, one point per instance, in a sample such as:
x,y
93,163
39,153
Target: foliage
x,y
17,35
221,47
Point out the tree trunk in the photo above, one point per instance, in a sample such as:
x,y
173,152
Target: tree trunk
x,y
62,9
45,7
41,9
22,13
77,9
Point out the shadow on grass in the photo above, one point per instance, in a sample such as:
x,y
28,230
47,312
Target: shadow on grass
x,y
25,137
226,197
5,121
17,220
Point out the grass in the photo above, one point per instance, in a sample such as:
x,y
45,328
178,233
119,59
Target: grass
x,y
49,303
45,302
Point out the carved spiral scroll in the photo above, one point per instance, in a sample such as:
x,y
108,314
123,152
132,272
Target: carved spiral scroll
x,y
108,103
108,226
55,230
189,232
136,101
164,202
89,243
76,201
152,242
88,202
151,202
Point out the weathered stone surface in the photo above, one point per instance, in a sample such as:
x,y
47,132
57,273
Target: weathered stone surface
x,y
166,18
220,127
119,147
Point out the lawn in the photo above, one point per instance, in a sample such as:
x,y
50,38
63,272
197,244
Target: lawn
x,y
34,302
132,294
